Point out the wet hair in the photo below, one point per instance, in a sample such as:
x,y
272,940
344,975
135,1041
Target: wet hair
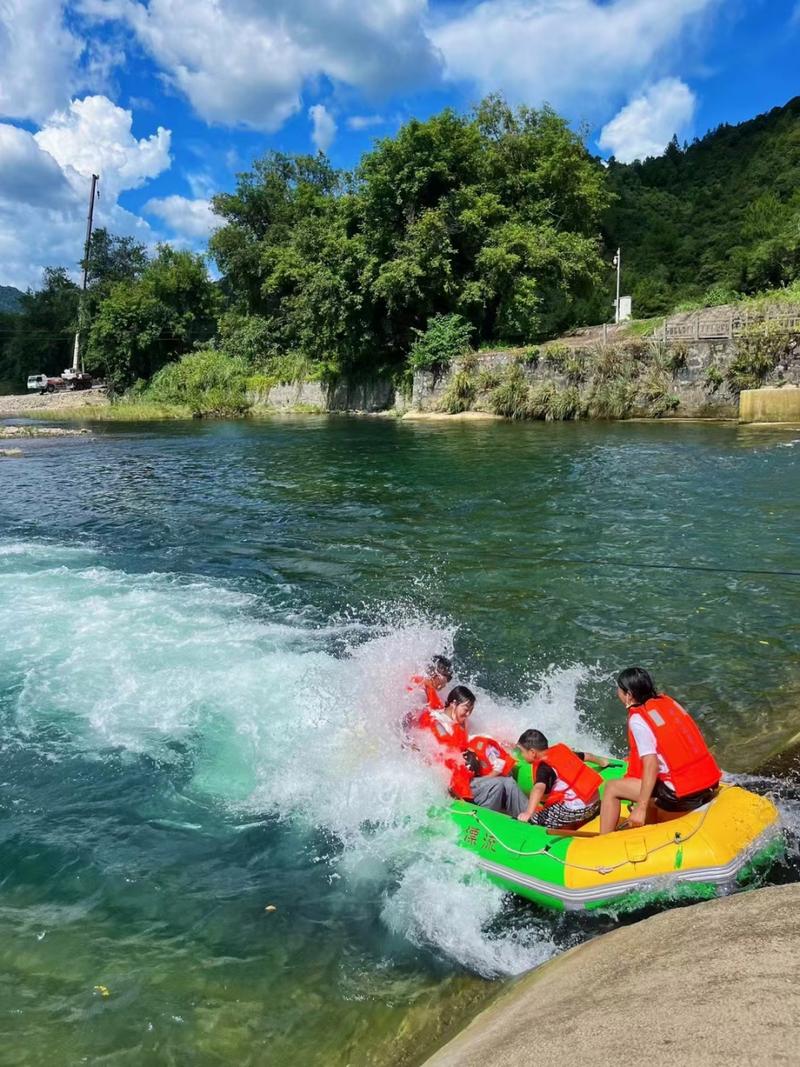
x,y
638,682
533,741
441,665
459,694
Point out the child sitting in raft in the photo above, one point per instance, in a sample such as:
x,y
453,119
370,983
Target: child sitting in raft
x,y
565,791
669,762
480,767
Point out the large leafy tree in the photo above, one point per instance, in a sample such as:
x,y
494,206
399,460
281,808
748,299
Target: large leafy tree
x,y
494,216
145,322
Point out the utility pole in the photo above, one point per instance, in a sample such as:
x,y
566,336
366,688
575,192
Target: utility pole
x,y
618,265
76,351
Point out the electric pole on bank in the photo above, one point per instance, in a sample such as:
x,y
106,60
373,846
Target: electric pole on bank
x,y
618,264
76,351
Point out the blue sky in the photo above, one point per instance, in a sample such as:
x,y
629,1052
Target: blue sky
x,y
168,99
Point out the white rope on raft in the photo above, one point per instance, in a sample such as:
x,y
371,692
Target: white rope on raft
x,y
678,840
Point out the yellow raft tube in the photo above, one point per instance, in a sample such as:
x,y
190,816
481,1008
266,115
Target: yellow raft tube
x,y
713,848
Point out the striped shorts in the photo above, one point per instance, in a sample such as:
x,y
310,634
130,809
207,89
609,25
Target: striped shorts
x,y
558,816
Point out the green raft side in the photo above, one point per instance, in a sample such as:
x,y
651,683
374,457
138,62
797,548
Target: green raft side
x,y
531,850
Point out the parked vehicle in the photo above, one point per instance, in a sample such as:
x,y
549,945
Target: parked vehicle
x,y
70,379
42,383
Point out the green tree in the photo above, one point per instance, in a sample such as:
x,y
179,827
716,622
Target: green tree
x,y
146,322
43,331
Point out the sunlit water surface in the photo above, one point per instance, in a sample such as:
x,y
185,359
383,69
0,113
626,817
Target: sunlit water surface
x,y
206,631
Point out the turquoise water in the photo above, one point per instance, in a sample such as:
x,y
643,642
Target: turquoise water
x,y
206,632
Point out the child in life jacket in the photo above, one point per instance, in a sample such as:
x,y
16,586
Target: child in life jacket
x,y
669,762
479,768
565,790
428,686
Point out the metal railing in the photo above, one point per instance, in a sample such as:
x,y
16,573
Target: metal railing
x,y
708,327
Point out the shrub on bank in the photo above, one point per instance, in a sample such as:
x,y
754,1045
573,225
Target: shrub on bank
x,y
208,383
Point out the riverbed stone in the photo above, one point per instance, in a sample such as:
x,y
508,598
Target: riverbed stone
x,y
713,984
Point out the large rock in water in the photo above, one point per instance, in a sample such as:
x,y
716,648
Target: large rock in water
x,y
715,983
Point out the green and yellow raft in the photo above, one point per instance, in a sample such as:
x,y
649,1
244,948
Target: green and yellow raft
x,y
700,853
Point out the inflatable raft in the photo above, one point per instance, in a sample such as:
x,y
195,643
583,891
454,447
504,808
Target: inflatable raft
x,y
713,848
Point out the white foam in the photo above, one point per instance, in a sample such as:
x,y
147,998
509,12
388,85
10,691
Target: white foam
x,y
282,718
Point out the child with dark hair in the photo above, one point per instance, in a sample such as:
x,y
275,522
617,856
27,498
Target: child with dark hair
x,y
438,674
565,790
480,767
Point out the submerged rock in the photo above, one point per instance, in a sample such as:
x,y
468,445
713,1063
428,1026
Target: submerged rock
x,y
715,983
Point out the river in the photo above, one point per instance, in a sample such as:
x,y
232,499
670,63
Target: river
x,y
206,630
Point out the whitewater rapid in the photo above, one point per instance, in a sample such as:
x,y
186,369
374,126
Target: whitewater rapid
x,y
282,719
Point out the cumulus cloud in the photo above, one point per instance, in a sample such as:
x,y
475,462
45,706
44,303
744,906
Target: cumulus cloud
x,y
28,174
186,217
93,136
564,51
245,62
44,184
645,126
323,127
38,58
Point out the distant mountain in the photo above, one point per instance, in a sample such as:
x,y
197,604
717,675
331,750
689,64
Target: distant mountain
x,y
713,218
9,298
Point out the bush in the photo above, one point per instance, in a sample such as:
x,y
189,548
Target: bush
x,y
541,398
446,338
612,399
487,380
567,404
460,393
207,383
713,379
759,348
556,355
511,397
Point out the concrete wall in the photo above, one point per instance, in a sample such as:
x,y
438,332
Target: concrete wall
x,y
376,394
770,405
689,384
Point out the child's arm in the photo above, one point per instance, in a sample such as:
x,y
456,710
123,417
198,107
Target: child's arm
x,y
535,799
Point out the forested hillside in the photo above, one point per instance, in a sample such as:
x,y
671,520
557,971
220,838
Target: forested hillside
x,y
496,227
9,298
718,217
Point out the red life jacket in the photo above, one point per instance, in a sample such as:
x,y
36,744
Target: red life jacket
x,y
487,749
432,698
454,741
579,777
690,766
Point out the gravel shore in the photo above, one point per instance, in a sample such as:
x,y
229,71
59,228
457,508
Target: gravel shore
x,y
20,406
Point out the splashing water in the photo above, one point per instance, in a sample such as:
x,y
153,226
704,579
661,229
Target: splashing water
x,y
280,720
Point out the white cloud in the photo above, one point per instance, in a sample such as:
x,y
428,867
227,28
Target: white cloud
x,y
93,136
28,174
565,51
365,122
38,58
188,218
323,127
645,126
44,184
246,62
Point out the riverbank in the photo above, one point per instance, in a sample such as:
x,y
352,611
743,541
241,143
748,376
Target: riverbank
x,y
83,404
714,983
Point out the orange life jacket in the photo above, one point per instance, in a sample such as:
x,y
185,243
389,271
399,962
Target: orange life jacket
x,y
579,777
432,698
454,741
690,766
487,750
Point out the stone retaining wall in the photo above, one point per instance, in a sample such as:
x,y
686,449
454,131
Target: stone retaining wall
x,y
689,384
376,394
